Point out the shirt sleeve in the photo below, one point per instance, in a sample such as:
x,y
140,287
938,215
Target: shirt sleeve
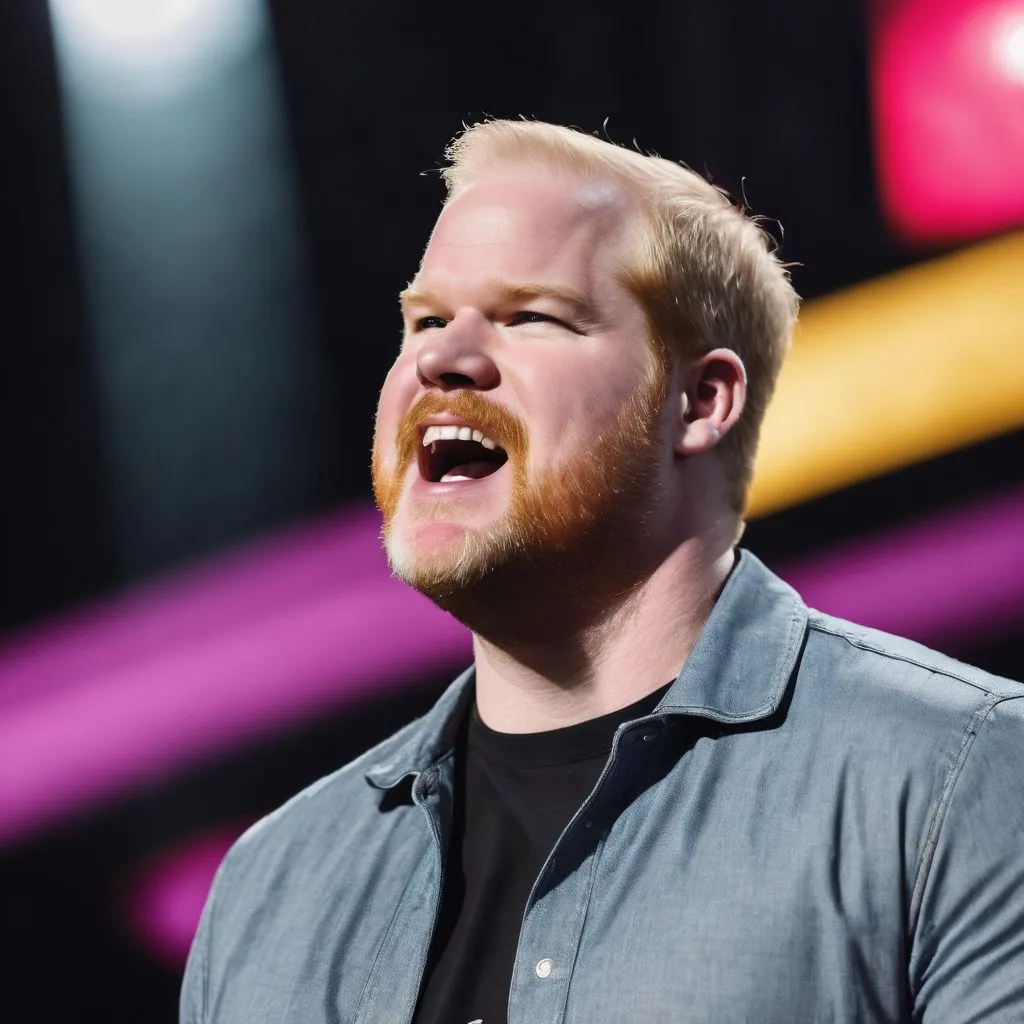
x,y
967,953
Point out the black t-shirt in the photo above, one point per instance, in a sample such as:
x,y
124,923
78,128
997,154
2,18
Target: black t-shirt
x,y
514,794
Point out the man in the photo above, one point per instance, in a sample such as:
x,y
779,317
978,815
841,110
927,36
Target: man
x,y
666,791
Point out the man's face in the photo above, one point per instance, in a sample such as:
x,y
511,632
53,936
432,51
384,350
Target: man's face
x,y
522,416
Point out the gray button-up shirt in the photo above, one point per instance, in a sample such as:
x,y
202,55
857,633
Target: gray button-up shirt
x,y
819,822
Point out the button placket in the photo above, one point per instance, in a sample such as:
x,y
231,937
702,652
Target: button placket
x,y
552,930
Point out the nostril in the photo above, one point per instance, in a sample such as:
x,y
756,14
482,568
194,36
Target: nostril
x,y
456,380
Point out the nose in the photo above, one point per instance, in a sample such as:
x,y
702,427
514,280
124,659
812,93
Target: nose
x,y
456,356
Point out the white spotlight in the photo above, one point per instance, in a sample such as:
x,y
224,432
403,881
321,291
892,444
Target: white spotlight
x,y
151,43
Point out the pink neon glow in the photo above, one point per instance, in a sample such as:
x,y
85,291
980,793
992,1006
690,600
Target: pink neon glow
x,y
166,899
948,94
138,713
951,578
206,601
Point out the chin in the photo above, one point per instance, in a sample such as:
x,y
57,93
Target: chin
x,y
426,548
431,545
442,559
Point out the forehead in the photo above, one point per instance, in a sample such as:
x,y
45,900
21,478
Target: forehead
x,y
528,224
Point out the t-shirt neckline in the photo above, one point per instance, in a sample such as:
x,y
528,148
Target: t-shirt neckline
x,y
566,745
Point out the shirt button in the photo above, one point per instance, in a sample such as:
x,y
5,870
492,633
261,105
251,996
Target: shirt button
x,y
650,737
544,967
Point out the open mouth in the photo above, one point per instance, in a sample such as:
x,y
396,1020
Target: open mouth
x,y
451,453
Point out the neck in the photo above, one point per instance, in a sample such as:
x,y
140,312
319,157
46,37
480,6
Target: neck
x,y
532,675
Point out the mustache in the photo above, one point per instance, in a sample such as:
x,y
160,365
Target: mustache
x,y
500,425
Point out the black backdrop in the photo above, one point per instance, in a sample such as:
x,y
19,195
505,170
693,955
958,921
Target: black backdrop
x,y
768,98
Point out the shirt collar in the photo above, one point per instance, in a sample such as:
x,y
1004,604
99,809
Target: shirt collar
x,y
738,671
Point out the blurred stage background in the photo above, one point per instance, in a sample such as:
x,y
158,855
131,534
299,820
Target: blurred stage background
x,y
207,209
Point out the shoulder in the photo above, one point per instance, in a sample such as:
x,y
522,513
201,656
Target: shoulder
x,y
859,654
333,821
321,816
340,846
917,711
893,704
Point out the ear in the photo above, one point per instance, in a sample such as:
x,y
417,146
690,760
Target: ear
x,y
711,392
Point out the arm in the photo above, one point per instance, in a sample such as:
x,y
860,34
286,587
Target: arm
x,y
967,943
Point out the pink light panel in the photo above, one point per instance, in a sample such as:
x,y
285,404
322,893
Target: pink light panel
x,y
947,81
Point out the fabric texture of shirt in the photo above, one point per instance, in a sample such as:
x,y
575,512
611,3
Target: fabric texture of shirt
x,y
513,795
817,823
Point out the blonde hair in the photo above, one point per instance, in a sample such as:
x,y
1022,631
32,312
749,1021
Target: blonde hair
x,y
702,269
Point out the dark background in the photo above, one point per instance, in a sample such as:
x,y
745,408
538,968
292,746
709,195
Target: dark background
x,y
768,99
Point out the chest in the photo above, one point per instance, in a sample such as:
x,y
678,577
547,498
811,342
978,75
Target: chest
x,y
688,888
740,907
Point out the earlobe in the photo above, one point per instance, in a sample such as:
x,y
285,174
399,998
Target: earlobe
x,y
696,437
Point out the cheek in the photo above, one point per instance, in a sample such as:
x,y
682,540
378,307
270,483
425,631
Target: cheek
x,y
395,398
581,413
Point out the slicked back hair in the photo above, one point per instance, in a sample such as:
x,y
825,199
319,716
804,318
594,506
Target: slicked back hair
x,y
703,270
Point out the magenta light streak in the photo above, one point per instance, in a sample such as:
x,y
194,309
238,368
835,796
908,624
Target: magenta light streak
x,y
135,720
949,580
313,622
202,602
166,898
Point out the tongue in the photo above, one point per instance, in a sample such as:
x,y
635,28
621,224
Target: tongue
x,y
469,471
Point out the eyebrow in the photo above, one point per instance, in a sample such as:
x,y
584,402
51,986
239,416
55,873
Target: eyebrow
x,y
507,292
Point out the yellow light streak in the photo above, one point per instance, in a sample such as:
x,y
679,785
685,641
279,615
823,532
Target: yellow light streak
x,y
895,371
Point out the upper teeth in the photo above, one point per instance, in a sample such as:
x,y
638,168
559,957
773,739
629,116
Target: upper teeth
x,y
451,432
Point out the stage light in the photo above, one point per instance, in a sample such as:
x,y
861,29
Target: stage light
x,y
156,42
930,324
948,93
179,157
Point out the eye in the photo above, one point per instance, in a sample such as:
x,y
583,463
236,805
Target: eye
x,y
531,316
426,322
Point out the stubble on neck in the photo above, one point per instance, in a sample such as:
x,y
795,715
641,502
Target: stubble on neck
x,y
639,645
